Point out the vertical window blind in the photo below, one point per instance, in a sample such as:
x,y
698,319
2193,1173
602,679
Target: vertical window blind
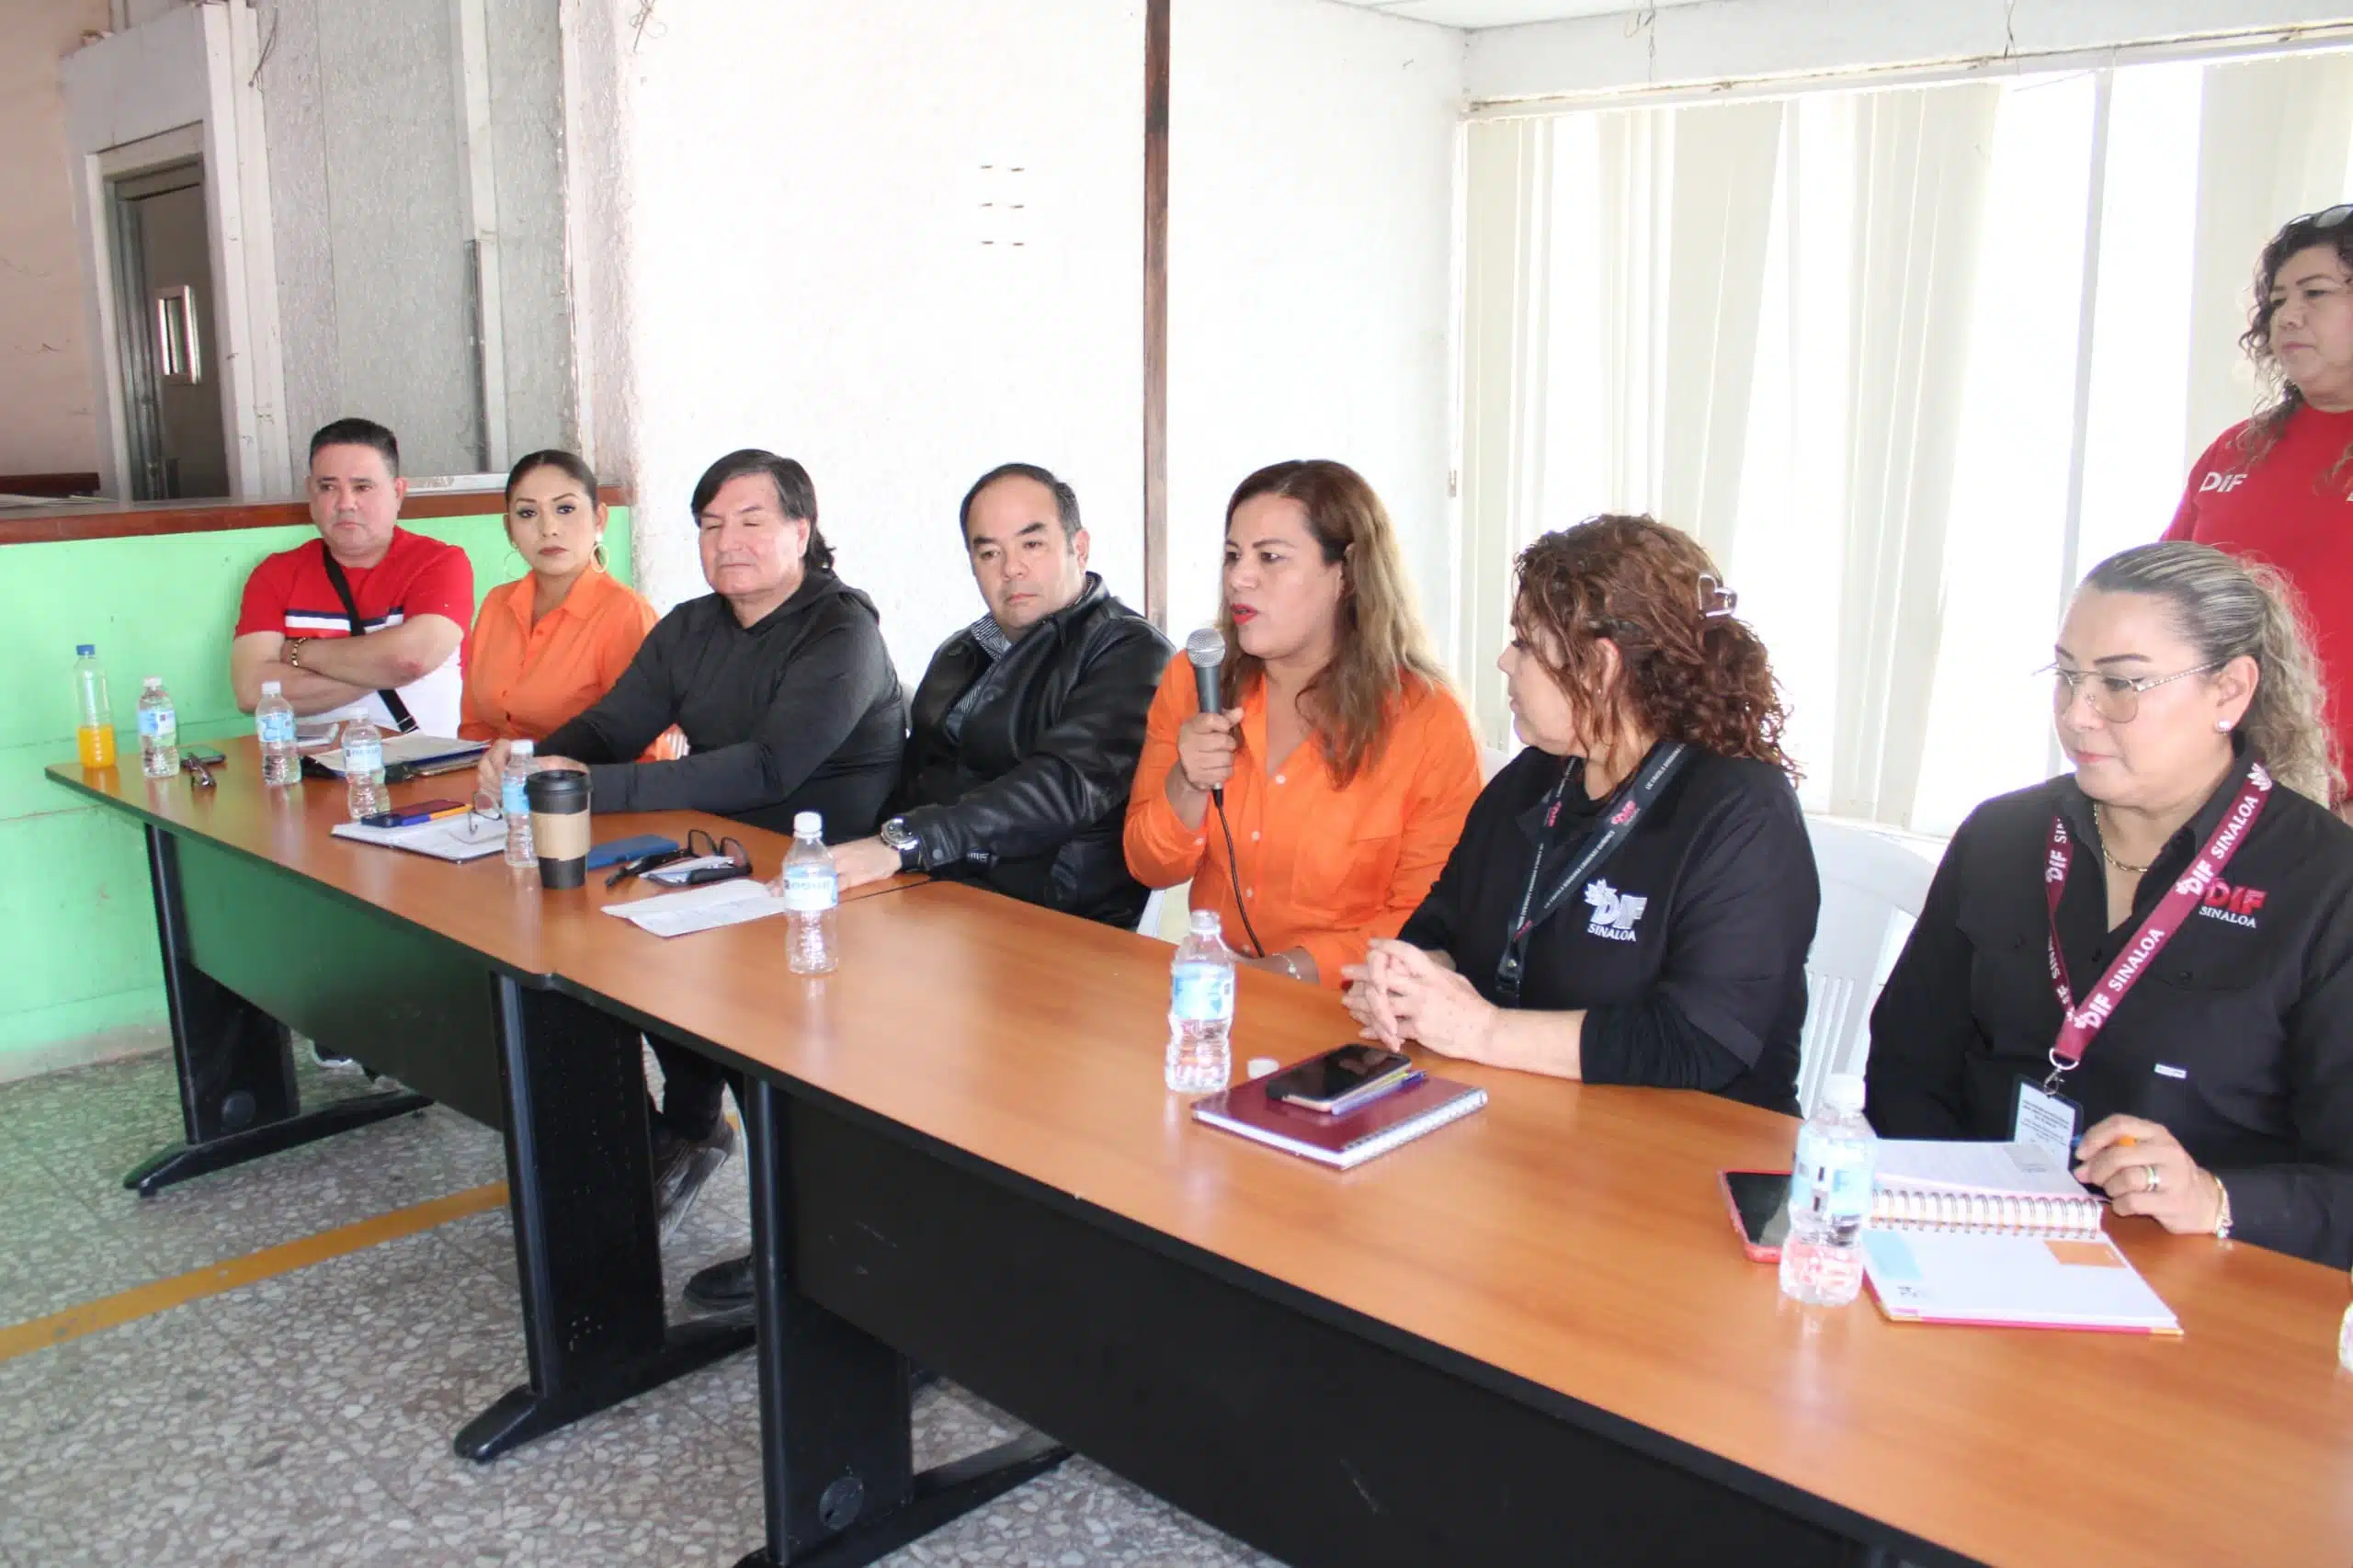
x,y
1907,360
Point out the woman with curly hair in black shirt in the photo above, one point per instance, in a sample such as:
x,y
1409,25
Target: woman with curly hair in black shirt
x,y
1632,897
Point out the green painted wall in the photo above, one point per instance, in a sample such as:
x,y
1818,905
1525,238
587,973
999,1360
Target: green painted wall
x,y
75,922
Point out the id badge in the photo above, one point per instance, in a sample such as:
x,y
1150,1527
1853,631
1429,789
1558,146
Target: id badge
x,y
2050,1121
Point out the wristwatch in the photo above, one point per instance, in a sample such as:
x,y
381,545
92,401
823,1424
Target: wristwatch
x,y
895,834
2222,1211
292,651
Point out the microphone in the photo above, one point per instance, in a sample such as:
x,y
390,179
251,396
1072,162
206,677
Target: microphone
x,y
1206,648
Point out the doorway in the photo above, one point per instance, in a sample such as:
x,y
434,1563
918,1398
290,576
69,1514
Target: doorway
x,y
177,439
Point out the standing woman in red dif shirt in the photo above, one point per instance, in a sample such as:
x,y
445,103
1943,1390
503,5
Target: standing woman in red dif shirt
x,y
2279,488
550,644
1347,763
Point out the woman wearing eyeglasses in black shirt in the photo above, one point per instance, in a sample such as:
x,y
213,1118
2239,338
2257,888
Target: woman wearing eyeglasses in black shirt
x,y
1632,897
2191,894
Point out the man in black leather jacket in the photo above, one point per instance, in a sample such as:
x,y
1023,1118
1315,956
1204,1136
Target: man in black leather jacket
x,y
1026,730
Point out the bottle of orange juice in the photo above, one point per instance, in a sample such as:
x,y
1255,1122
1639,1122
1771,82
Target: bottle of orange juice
x,y
94,731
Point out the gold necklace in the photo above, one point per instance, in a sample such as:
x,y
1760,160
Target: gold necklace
x,y
2101,823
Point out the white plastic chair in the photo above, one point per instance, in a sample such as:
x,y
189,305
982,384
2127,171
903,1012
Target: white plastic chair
x,y
1148,924
1874,880
1494,760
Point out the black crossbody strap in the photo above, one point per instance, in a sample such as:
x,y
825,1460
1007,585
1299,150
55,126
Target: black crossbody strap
x,y
403,720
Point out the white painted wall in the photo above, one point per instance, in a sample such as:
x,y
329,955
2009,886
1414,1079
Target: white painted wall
x,y
776,239
1741,38
1310,180
48,413
790,250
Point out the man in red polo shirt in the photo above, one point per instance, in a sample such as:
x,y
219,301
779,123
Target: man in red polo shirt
x,y
413,597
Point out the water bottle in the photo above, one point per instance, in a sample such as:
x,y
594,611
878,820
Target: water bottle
x,y
159,731
94,709
1830,1198
1200,1009
363,768
515,804
812,897
274,722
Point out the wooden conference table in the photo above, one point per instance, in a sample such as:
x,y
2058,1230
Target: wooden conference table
x,y
1530,1338
442,977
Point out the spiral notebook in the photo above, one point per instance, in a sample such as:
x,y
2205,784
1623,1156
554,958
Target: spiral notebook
x,y
1999,1235
1995,1280
1344,1141
1928,1184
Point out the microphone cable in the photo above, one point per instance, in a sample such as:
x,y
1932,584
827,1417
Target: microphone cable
x,y
1234,875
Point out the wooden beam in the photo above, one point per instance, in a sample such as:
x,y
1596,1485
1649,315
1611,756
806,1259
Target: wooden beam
x,y
1156,312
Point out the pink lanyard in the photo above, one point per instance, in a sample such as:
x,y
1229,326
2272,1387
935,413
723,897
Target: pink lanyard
x,y
2076,1025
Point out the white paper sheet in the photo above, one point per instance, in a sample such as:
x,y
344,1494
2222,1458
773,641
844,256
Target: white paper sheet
x,y
701,909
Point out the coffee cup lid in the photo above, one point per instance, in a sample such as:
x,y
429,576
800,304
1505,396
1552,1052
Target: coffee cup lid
x,y
557,784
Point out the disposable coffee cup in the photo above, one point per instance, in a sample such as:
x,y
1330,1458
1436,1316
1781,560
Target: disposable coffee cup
x,y
558,797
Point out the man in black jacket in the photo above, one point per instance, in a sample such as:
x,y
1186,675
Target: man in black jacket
x,y
1027,727
780,681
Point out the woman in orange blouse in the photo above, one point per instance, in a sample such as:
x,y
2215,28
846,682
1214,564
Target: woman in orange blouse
x,y
1347,763
548,644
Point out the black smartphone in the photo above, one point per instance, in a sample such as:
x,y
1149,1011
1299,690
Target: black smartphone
x,y
1759,1201
1338,1081
203,754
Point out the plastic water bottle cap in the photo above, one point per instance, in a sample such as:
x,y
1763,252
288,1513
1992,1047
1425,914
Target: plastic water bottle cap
x,y
85,650
808,824
1204,921
152,683
271,689
1843,1092
518,748
1262,1065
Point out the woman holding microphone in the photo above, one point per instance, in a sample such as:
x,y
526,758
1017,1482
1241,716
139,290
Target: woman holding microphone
x,y
2148,962
1345,763
2278,488
1633,896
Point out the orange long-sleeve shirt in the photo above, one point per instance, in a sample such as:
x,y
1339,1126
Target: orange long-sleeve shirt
x,y
1322,868
523,681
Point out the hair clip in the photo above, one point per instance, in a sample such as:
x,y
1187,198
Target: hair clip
x,y
1715,599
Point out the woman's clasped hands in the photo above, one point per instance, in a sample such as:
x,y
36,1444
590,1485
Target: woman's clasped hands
x,y
1402,992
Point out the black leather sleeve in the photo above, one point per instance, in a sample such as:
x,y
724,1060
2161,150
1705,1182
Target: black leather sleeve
x,y
1078,772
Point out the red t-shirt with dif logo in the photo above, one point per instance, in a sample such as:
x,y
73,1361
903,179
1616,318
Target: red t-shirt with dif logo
x,y
290,593
2293,509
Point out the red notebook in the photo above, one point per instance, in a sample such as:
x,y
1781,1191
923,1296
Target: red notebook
x,y
1341,1141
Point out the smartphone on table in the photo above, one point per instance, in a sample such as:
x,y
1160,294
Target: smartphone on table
x,y
1339,1081
1759,1202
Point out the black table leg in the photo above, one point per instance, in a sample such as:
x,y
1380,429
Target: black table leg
x,y
836,1443
236,1063
587,1246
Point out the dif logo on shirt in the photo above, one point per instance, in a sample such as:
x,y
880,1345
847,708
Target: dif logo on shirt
x,y
2222,482
2236,906
1614,912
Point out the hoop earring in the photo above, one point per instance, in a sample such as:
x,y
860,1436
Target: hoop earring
x,y
598,555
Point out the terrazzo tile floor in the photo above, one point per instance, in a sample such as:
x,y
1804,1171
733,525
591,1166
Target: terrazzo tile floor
x,y
306,1419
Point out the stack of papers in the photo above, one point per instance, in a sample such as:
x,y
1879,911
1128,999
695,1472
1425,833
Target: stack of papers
x,y
701,909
